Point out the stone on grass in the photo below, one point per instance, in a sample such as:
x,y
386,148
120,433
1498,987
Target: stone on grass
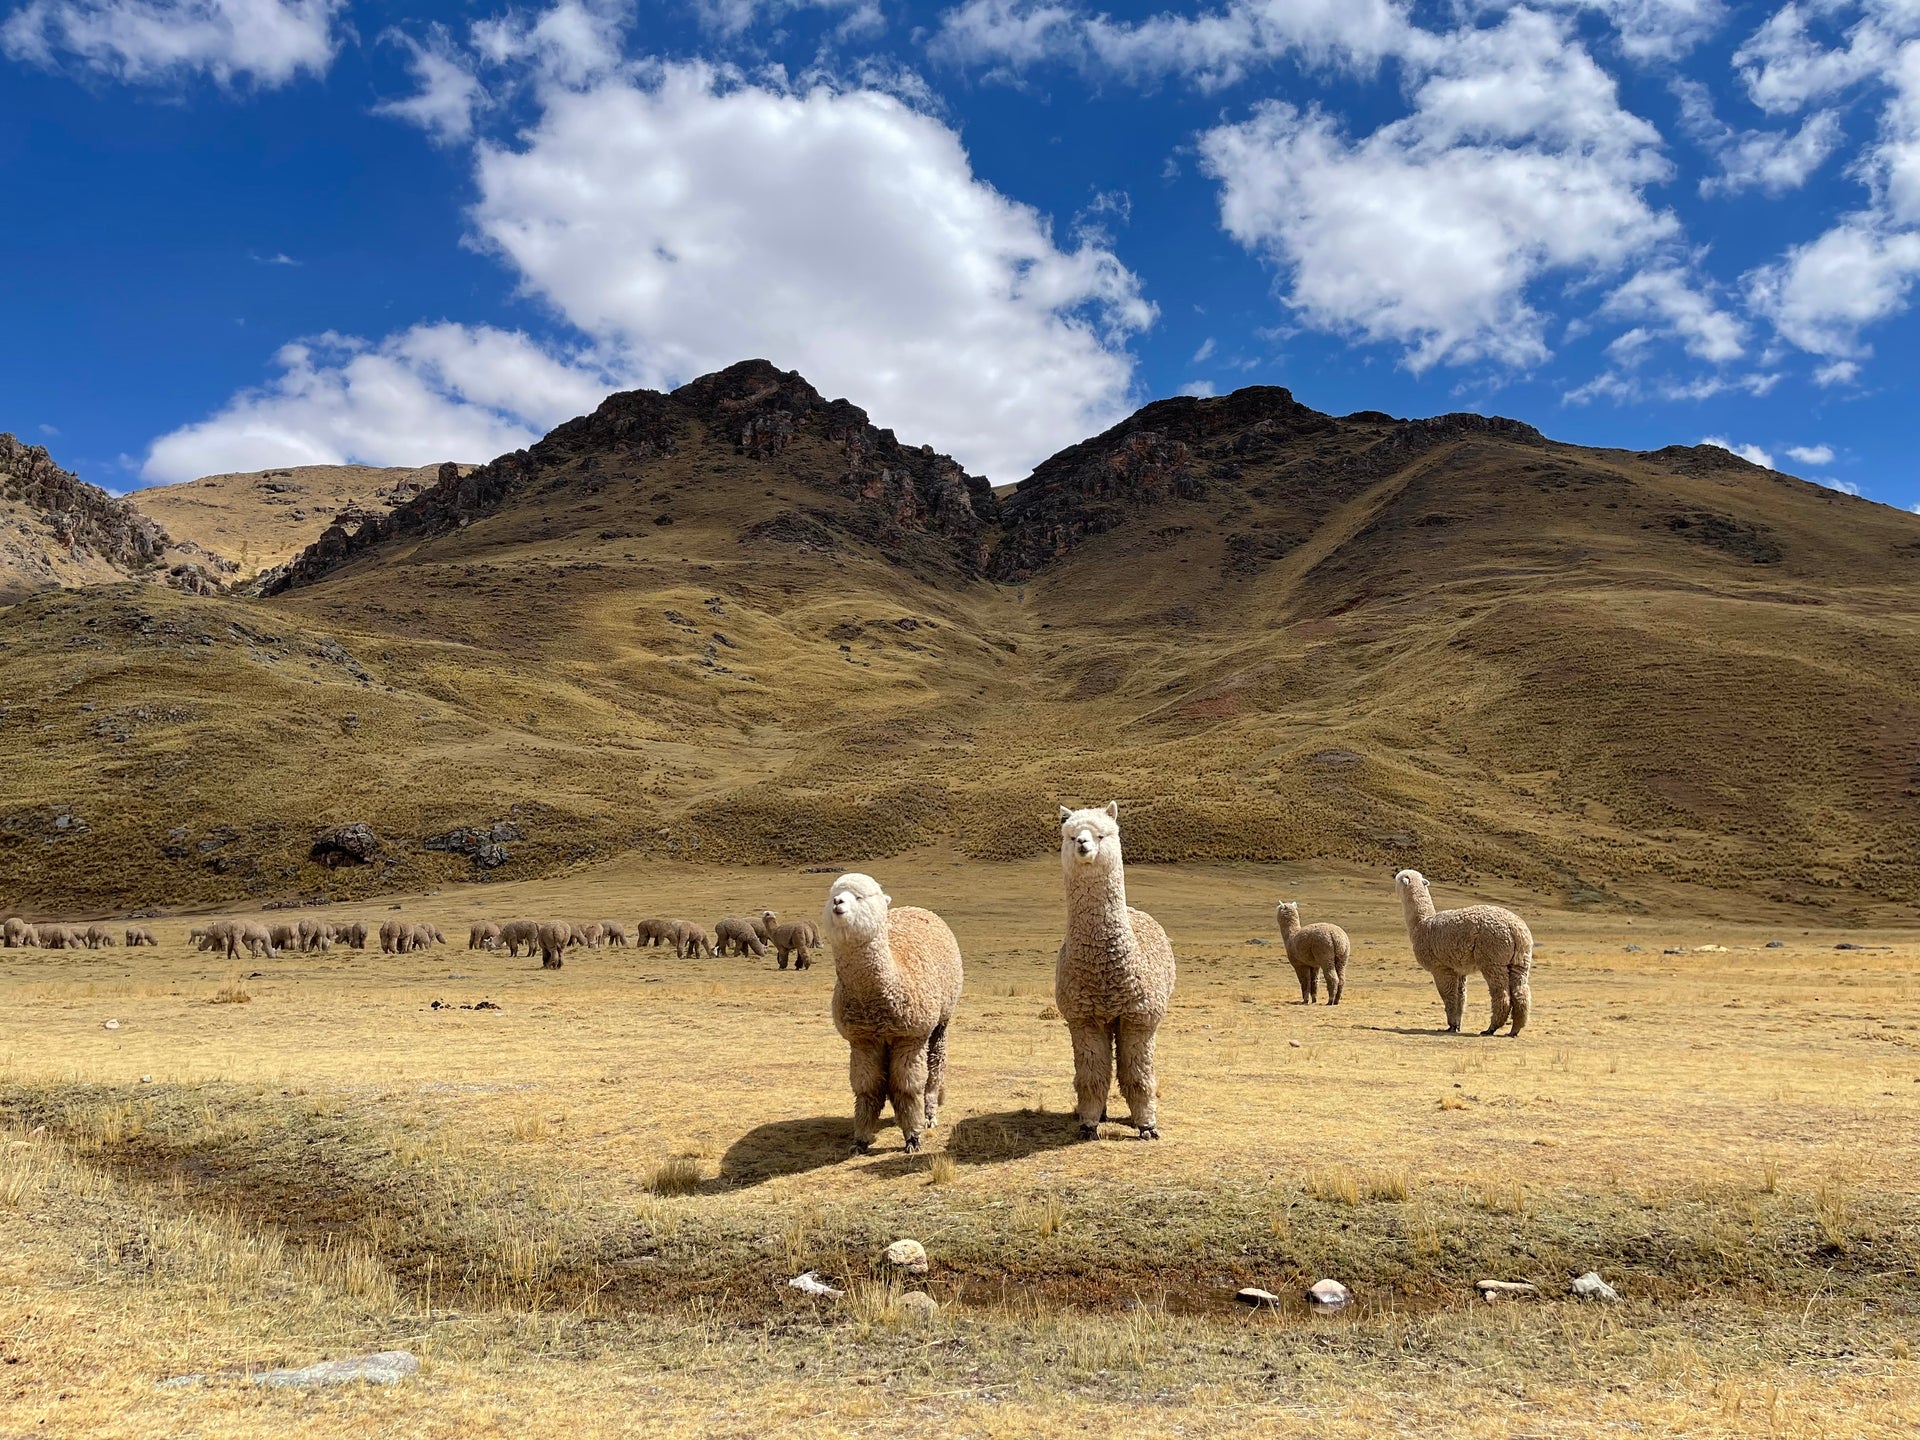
x,y
1504,1289
111,1025
917,1307
1591,1287
387,1367
907,1255
1776,944
1329,1295
811,1284
1259,1299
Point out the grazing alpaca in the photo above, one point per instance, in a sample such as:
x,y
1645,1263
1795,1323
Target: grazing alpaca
x,y
484,935
897,982
1453,944
1314,951
1115,973
789,937
736,933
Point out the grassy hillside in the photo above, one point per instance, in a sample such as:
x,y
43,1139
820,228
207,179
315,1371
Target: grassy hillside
x,y
1272,635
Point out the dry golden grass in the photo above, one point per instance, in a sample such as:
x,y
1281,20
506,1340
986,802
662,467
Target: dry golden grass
x,y
581,1210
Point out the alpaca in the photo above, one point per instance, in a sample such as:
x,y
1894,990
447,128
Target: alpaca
x,y
15,932
218,936
425,937
737,931
99,937
654,932
314,935
140,935
485,935
614,933
555,936
1314,951
1452,944
518,935
252,935
789,937
354,935
396,937
897,982
1114,977
691,940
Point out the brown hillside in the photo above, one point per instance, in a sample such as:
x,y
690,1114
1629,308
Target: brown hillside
x,y
262,518
740,623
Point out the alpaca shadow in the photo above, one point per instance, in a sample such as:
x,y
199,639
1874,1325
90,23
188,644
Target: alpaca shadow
x,y
787,1147
1011,1135
1439,1030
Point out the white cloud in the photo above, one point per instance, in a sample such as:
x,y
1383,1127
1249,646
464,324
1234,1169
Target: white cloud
x,y
1784,66
1654,29
1811,454
1838,372
1771,161
1820,295
1745,452
687,220
1666,294
731,17
435,392
264,42
1211,49
1516,162
449,92
1200,388
1845,487
1205,352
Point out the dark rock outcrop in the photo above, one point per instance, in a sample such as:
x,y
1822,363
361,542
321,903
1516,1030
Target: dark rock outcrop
x,y
353,844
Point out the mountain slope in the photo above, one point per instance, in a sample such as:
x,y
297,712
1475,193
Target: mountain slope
x,y
263,518
740,623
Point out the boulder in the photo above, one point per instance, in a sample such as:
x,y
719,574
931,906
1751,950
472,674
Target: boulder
x,y
352,844
1327,1296
909,1256
1591,1287
917,1307
1504,1289
1258,1298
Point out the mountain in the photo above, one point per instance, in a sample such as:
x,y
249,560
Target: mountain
x,y
739,622
263,518
57,530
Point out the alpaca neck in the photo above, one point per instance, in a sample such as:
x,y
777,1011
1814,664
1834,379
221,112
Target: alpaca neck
x,y
1288,925
866,967
1418,905
1096,900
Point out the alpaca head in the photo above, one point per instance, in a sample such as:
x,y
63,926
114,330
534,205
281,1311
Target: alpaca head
x,y
856,910
1287,912
1409,881
1090,837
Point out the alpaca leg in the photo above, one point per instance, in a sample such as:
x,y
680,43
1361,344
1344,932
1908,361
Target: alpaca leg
x,y
1497,993
908,1069
936,1075
1136,1074
1336,983
1300,974
1443,982
1312,978
867,1070
1092,1073
1520,986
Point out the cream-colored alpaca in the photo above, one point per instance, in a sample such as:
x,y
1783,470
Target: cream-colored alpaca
x,y
897,978
1114,977
1453,944
1314,951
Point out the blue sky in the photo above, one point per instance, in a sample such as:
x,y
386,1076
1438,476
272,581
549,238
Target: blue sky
x,y
246,233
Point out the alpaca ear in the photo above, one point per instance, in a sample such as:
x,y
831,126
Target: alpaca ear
x,y
1113,809
1065,814
886,899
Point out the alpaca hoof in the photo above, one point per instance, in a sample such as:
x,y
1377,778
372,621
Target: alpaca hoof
x,y
1149,1132
913,1144
863,1147
1089,1132
1453,1029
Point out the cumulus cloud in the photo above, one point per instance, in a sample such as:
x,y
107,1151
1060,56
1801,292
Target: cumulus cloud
x,y
688,220
1811,454
1654,29
1517,161
1669,296
731,17
434,392
449,94
266,43
1745,452
1771,161
1822,294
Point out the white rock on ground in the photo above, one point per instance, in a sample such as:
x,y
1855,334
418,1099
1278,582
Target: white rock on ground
x,y
387,1367
1329,1295
1504,1289
908,1255
918,1307
812,1284
1591,1287
1263,1299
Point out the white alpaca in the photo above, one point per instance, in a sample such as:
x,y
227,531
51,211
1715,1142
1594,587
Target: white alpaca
x,y
1452,944
1114,976
897,979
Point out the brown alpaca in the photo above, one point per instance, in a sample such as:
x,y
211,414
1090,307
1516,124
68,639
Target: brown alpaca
x,y
789,937
284,937
555,936
737,933
1314,951
254,936
139,935
354,935
1453,944
315,935
1114,977
897,981
655,932
425,937
519,935
485,935
614,933
99,937
17,934
693,940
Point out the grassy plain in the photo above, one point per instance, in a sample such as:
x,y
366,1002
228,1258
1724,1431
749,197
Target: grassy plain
x,y
580,1209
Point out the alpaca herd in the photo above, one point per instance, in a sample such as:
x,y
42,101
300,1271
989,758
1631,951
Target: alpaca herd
x,y
898,970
